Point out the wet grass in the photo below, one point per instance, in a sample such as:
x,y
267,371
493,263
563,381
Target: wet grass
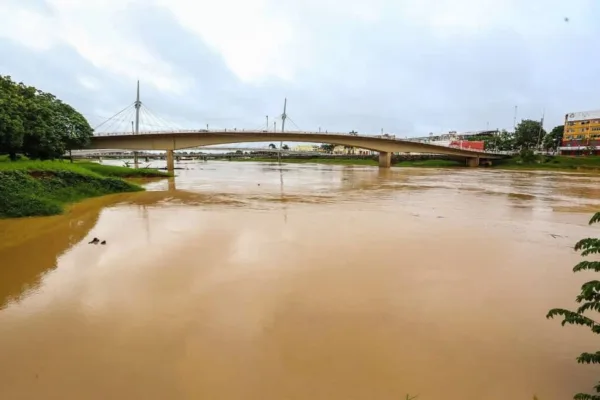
x,y
40,188
357,161
123,172
83,168
558,163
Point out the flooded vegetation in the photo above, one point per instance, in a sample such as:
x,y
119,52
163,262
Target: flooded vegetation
x,y
260,281
42,188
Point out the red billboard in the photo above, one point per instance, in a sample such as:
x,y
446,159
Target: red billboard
x,y
467,144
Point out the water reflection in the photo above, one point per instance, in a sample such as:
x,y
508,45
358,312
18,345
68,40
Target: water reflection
x,y
240,280
171,184
31,247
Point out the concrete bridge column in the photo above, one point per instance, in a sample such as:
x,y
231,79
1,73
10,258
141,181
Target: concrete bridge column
x,y
170,161
385,159
171,184
473,162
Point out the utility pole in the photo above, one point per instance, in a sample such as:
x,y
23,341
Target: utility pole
x,y
283,118
541,128
515,120
138,105
267,122
284,115
274,126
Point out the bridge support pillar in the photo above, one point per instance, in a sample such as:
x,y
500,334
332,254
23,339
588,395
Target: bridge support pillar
x,y
171,184
473,162
385,159
170,161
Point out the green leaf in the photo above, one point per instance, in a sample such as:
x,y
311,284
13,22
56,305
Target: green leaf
x,y
571,317
589,358
582,396
587,265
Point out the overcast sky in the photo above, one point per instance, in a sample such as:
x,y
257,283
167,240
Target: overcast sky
x,y
408,66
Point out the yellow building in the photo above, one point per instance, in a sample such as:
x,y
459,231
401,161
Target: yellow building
x,y
582,131
347,150
306,147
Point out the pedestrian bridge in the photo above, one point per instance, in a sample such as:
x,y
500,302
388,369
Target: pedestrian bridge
x,y
184,139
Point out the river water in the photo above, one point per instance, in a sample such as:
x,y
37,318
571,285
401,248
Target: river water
x,y
244,280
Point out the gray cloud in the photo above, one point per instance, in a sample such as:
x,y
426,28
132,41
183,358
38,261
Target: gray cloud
x,y
349,73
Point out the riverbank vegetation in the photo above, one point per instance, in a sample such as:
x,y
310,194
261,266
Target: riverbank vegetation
x,y
38,188
588,300
542,162
525,162
37,124
373,161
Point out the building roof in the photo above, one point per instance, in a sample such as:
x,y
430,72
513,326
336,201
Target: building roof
x,y
462,134
583,115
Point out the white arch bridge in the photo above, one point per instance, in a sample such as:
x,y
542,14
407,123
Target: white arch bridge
x,y
184,139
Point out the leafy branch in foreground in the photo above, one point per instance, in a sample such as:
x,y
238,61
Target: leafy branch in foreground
x,y
589,300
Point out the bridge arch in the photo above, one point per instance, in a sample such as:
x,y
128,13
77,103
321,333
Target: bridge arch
x,y
189,139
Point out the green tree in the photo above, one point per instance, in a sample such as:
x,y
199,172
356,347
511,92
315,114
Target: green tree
x,y
37,123
285,147
76,130
589,300
327,148
554,138
272,146
529,134
502,141
12,128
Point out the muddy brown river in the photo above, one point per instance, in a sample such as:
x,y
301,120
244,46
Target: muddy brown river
x,y
244,280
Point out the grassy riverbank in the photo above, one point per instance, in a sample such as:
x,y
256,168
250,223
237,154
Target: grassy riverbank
x,y
37,188
557,163
355,161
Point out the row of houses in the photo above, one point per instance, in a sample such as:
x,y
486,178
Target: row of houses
x,y
337,150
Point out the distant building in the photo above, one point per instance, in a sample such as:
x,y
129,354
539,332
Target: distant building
x,y
582,133
453,137
307,147
348,150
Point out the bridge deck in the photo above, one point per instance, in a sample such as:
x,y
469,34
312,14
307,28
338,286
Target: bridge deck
x,y
175,140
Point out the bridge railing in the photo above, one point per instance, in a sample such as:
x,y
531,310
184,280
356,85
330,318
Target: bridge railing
x,y
127,133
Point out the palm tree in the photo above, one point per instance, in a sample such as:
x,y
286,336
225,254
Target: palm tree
x,y
272,146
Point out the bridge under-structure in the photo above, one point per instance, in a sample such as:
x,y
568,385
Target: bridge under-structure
x,y
120,152
184,139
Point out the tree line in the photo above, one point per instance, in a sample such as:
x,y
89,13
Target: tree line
x,y
37,124
529,135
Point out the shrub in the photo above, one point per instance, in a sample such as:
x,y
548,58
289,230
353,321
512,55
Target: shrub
x,y
589,300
